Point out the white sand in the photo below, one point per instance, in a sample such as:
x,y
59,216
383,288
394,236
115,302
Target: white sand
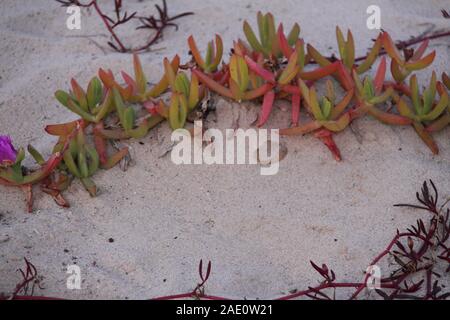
x,y
259,232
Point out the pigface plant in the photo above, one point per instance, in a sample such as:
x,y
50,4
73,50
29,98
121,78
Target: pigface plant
x,y
13,173
370,94
87,104
425,110
186,95
412,60
213,54
347,62
268,43
239,86
329,116
271,66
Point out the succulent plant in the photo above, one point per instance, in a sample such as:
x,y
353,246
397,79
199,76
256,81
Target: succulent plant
x,y
268,43
371,92
186,95
13,173
425,109
329,116
270,67
239,85
347,62
89,105
213,54
412,60
82,161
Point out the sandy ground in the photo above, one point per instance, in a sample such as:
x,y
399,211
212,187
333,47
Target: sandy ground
x,y
259,232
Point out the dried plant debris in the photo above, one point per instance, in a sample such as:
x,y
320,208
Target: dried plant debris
x,y
156,24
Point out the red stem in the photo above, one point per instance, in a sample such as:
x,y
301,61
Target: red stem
x,y
108,26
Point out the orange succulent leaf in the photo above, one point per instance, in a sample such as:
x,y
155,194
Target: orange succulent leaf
x,y
380,76
170,74
388,118
130,82
371,56
283,42
163,84
300,130
295,113
340,107
391,48
162,109
235,90
438,109
339,124
80,94
258,92
398,72
344,77
213,85
439,124
267,106
100,143
404,109
107,78
64,129
219,53
317,56
290,70
419,52
350,51
422,63
126,93
259,70
327,138
195,53
320,72
426,137
50,165
291,89
139,75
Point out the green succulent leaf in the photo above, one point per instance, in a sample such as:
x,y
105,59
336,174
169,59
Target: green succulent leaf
x,y
129,117
326,107
415,94
251,38
63,97
94,159
437,110
82,163
368,88
293,34
94,93
69,161
36,155
182,84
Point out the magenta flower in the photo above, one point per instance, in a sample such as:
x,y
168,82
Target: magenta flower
x,y
7,151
